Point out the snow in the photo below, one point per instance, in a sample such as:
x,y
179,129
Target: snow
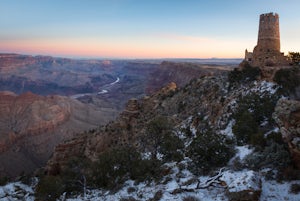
x,y
228,130
272,190
187,124
171,186
168,186
242,180
275,130
178,179
243,151
102,92
159,156
16,191
146,155
264,87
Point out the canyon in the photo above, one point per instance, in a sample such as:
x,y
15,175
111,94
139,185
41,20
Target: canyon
x,y
45,101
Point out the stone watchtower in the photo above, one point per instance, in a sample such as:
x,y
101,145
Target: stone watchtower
x,y
267,51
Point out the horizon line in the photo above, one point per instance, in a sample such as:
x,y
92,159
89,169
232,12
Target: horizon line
x,y
121,58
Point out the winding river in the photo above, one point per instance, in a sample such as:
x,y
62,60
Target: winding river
x,y
102,90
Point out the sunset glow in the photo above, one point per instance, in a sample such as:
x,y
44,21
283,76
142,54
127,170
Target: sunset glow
x,y
136,29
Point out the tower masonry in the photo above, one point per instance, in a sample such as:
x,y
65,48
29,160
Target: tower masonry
x,y
267,51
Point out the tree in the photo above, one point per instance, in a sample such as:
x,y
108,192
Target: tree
x,y
155,132
208,151
288,78
295,57
160,138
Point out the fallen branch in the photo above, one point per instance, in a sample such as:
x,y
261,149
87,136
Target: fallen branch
x,y
210,181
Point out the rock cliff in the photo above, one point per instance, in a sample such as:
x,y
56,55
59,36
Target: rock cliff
x,y
205,103
32,125
287,116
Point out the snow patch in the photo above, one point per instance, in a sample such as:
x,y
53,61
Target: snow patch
x,y
240,181
272,190
243,151
102,92
16,191
228,130
264,87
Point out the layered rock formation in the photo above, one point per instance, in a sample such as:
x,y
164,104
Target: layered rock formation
x,y
201,98
181,74
206,103
32,125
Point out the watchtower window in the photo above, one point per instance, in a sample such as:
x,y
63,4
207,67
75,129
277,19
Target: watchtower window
x,y
267,57
261,50
268,50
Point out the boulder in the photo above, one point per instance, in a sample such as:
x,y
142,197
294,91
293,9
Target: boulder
x,y
242,186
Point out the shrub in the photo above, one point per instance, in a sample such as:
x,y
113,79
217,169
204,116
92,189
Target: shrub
x,y
117,165
252,111
274,155
288,78
128,199
245,74
131,190
275,137
49,188
208,151
74,174
3,180
146,170
157,196
290,173
294,57
160,138
295,188
244,127
155,130
112,167
190,198
171,147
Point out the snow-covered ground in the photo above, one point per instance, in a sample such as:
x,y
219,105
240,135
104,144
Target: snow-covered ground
x,y
185,184
16,191
181,183
176,186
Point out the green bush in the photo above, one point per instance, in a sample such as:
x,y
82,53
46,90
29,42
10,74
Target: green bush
x,y
49,188
160,138
171,147
245,74
295,188
294,57
208,151
3,181
252,111
288,78
274,155
117,165
245,126
74,174
190,198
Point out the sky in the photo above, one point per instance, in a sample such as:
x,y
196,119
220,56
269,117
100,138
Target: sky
x,y
142,28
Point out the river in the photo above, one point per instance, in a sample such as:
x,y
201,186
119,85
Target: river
x,y
102,90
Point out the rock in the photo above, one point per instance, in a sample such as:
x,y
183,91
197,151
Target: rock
x,y
131,124
287,116
32,125
242,186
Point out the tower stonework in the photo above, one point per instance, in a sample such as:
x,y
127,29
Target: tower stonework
x,y
267,51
